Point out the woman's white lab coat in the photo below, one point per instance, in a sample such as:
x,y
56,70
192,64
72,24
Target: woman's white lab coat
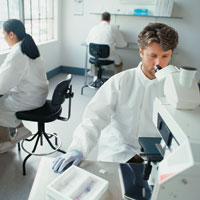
x,y
120,112
23,84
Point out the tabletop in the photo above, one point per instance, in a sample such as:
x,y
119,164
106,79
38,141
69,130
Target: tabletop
x,y
106,170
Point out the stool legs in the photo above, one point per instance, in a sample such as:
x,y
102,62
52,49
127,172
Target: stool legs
x,y
39,136
83,88
29,155
19,148
24,164
97,83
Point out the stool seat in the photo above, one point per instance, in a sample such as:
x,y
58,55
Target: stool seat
x,y
46,113
100,62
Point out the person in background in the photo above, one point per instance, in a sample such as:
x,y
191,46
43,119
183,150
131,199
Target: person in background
x,y
105,33
122,109
23,83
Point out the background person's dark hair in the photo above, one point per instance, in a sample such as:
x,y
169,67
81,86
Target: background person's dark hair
x,y
28,45
160,33
105,16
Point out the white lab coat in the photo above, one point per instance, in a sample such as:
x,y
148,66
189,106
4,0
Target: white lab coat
x,y
104,33
119,113
23,84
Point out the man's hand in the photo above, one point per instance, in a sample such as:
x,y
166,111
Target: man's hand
x,y
72,157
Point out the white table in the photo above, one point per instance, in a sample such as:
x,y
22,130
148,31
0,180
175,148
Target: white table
x,y
45,175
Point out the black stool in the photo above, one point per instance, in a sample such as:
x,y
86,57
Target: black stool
x,y
98,51
49,112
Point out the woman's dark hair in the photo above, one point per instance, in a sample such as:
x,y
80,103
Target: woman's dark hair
x,y
28,45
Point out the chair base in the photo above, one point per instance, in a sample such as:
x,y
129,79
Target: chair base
x,y
97,83
39,136
94,85
57,142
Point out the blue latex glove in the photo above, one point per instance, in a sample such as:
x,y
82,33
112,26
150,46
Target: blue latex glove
x,y
72,157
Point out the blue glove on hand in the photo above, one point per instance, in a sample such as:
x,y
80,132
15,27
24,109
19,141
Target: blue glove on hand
x,y
72,157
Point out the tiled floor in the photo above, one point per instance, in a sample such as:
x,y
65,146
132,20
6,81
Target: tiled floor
x,y
15,186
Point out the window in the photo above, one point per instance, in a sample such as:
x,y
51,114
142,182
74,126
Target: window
x,y
9,9
37,15
39,19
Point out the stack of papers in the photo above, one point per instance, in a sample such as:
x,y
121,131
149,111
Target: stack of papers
x,y
164,7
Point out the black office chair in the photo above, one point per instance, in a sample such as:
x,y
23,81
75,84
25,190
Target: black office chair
x,y
98,51
49,112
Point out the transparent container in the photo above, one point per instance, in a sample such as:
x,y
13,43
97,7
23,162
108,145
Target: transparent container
x,y
76,184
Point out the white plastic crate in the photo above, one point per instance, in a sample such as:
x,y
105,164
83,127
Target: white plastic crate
x,y
76,184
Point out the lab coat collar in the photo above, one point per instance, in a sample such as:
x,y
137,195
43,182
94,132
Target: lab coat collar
x,y
104,22
17,45
143,78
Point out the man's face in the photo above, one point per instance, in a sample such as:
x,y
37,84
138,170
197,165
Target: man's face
x,y
154,55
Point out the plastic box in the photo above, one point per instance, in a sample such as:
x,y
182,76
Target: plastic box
x,y
76,184
140,12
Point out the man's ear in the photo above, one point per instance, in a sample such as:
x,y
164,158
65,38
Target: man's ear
x,y
141,52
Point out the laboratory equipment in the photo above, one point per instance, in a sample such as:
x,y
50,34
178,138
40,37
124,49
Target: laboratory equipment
x,y
179,86
76,184
181,89
176,115
133,184
178,174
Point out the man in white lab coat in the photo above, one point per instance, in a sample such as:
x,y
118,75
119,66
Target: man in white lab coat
x,y
121,110
105,33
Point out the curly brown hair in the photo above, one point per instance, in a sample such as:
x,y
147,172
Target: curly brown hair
x,y
160,33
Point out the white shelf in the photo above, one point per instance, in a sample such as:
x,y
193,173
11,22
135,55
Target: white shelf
x,y
119,14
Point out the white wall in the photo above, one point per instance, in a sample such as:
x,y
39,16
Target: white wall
x,y
75,29
116,6
51,51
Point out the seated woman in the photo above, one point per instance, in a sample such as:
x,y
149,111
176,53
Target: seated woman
x,y
23,83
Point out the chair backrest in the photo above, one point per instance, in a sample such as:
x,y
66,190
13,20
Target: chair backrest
x,y
62,91
99,50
